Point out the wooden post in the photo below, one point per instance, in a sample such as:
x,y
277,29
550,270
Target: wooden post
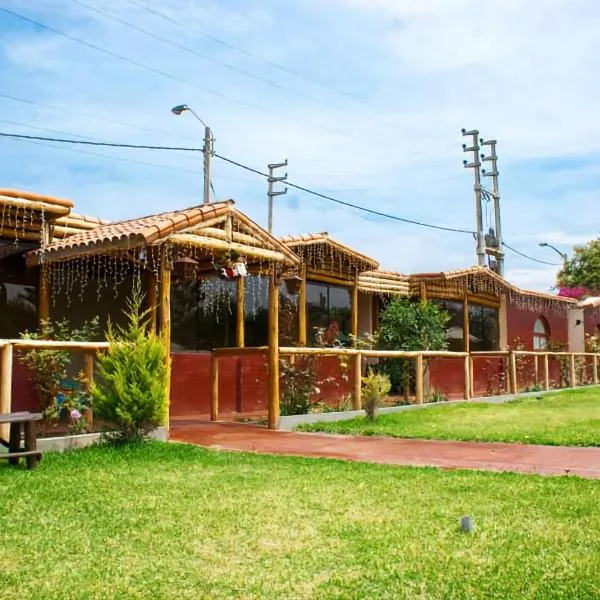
x,y
302,309
240,313
419,379
214,387
572,377
546,371
595,369
151,298
6,366
536,369
423,292
355,309
44,296
466,332
512,372
468,377
357,396
471,374
273,354
88,373
165,321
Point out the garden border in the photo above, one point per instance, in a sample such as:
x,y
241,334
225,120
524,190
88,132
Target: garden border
x,y
289,423
72,442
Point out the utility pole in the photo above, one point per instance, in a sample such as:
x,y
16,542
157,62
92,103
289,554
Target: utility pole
x,y
493,158
208,152
476,166
271,194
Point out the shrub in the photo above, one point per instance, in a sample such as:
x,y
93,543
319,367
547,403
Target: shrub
x,y
131,391
375,387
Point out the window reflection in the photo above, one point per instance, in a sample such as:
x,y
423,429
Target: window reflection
x,y
329,307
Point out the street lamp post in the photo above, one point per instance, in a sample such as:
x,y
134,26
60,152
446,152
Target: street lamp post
x,y
561,254
207,150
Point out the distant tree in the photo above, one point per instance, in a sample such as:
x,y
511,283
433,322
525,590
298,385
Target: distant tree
x,y
583,268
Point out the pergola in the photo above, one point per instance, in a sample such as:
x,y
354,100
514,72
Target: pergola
x,y
188,244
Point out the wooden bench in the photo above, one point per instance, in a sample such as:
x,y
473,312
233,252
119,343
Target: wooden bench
x,y
27,421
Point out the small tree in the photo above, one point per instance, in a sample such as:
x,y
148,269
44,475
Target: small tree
x,y
583,268
131,392
376,386
409,325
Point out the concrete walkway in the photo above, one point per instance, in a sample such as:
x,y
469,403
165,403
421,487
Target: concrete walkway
x,y
544,460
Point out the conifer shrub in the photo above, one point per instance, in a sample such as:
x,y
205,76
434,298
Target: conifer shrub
x,y
131,388
375,387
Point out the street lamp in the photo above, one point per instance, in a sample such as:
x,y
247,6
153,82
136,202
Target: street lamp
x,y
207,150
561,254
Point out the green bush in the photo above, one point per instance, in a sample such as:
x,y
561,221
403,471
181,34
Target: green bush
x,y
131,391
376,386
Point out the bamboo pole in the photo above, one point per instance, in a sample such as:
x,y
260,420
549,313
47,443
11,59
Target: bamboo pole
x,y
423,292
572,377
466,327
468,365
595,369
214,387
536,369
471,373
546,371
355,310
165,321
151,297
273,359
240,313
52,345
357,396
44,296
419,379
88,373
6,366
512,372
302,309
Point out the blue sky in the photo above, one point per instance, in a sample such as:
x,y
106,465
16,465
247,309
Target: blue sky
x,y
400,80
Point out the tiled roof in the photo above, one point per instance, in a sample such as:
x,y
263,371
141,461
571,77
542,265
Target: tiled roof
x,y
309,239
135,232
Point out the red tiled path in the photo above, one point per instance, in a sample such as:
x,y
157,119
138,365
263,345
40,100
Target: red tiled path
x,y
545,460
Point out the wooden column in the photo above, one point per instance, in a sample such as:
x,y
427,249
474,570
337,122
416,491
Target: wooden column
x,y
88,373
468,365
355,309
151,300
419,379
165,321
471,376
240,314
357,396
302,309
423,292
273,354
572,376
546,371
536,369
214,387
44,295
512,372
466,332
595,369
6,367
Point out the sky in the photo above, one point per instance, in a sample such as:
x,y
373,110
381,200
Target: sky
x,y
365,98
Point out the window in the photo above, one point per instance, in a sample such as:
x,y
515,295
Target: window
x,y
328,307
483,326
541,333
18,298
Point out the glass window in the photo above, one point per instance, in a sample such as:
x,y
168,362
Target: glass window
x,y
455,330
483,328
256,311
328,307
18,297
541,333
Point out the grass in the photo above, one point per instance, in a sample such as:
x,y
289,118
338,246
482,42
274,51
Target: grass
x,y
174,521
570,418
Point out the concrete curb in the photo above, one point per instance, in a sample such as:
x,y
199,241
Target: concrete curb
x,y
71,442
289,423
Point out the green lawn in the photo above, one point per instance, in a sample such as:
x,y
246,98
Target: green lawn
x,y
564,419
175,521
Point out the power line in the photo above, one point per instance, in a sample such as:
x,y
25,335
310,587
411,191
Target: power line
x,y
246,168
537,260
242,50
194,52
154,70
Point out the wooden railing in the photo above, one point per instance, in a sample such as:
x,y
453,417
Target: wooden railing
x,y
418,356
8,348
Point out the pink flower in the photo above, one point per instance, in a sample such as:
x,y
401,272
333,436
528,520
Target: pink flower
x,y
75,414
